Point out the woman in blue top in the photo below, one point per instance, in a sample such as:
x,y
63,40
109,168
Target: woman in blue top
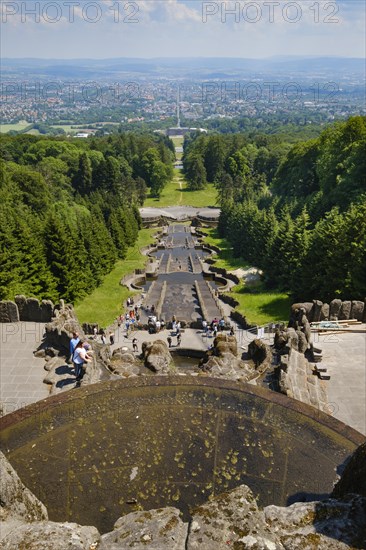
x,y
74,340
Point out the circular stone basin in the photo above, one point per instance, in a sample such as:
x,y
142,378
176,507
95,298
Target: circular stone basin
x,y
99,452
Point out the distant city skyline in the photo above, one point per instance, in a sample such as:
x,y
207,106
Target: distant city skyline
x,y
182,28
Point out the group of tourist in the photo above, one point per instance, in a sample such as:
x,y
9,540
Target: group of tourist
x,y
216,325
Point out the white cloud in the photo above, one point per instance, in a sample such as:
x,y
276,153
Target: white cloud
x,y
175,28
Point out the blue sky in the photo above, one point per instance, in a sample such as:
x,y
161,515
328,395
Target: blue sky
x,y
182,28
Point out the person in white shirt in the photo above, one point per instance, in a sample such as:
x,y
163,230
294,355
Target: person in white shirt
x,y
80,357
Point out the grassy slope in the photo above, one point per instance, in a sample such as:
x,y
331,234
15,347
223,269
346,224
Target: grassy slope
x,y
258,307
261,308
176,194
103,305
5,128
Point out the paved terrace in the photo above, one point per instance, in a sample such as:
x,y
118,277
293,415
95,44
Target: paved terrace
x,y
21,374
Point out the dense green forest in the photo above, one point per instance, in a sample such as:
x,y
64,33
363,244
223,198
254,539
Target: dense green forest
x,y
69,208
296,211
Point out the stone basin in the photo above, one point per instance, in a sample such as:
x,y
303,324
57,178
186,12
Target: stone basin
x,y
99,452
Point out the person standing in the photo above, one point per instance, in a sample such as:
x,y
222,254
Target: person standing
x,y
104,339
73,342
134,345
80,357
111,338
95,332
169,339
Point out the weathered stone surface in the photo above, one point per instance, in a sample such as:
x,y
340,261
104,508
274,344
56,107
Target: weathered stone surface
x,y
357,310
296,380
59,330
234,520
353,479
46,311
317,308
31,311
51,536
298,322
330,524
307,306
260,353
345,312
52,363
20,301
8,312
156,529
157,357
335,308
224,521
224,343
59,375
222,362
302,342
124,363
324,314
16,499
88,328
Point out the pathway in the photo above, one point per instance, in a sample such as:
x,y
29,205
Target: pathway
x,y
21,374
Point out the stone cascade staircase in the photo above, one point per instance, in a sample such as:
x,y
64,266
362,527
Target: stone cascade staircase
x,y
153,297
195,263
164,262
180,264
209,305
188,309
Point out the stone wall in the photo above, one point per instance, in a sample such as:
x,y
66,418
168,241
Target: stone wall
x,y
26,309
9,312
296,380
336,310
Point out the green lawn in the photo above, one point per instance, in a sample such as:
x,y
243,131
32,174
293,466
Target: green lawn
x,y
5,128
178,141
176,193
262,307
68,128
259,307
103,305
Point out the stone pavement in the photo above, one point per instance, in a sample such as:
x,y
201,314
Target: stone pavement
x,y
21,374
344,355
191,338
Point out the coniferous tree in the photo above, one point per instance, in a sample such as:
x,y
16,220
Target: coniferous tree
x,y
83,178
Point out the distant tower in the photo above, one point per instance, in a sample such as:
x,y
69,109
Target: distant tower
x,y
178,109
